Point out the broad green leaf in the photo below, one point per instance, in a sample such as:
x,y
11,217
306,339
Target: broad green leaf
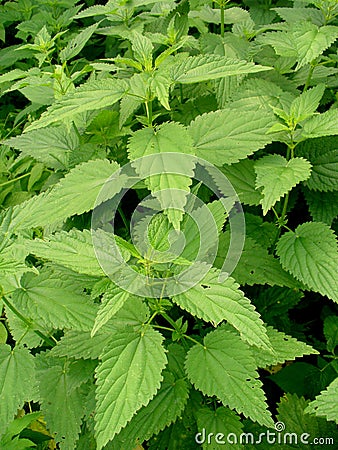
x,y
79,344
171,185
52,147
256,265
292,411
76,193
310,254
331,332
53,302
228,135
61,398
303,40
223,366
90,96
323,206
284,347
195,69
218,421
167,405
215,301
127,379
292,15
76,44
112,300
142,49
326,404
306,103
277,176
325,124
242,176
11,441
3,334
73,250
17,381
323,156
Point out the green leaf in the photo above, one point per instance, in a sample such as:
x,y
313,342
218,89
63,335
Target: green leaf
x,y
323,206
228,135
171,184
223,366
306,103
326,404
323,156
215,301
52,147
218,421
331,332
127,378
142,49
242,176
90,96
195,69
76,44
53,302
76,193
80,344
256,265
325,124
292,412
62,401
167,405
17,381
310,254
112,300
284,347
73,250
277,176
303,41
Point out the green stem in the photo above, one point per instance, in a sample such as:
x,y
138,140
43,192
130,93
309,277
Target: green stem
x,y
309,77
15,179
149,109
27,322
222,20
124,218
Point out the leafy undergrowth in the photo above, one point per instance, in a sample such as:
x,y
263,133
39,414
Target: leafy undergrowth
x,y
164,308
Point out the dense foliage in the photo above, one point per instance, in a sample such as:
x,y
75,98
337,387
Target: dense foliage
x,y
98,347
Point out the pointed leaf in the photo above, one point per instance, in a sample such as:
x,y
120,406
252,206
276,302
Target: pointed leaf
x,y
199,68
113,299
76,193
171,184
62,401
323,206
127,378
76,44
285,348
307,103
215,301
17,380
323,156
228,135
224,367
310,254
325,124
277,176
167,405
326,404
53,302
90,96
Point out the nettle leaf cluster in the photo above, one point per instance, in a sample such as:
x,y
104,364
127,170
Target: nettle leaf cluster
x,y
86,88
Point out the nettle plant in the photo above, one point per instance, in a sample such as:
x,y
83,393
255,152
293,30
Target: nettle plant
x,y
250,89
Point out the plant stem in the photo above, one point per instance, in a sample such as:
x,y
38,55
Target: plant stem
x,y
27,322
222,20
149,109
309,77
15,179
